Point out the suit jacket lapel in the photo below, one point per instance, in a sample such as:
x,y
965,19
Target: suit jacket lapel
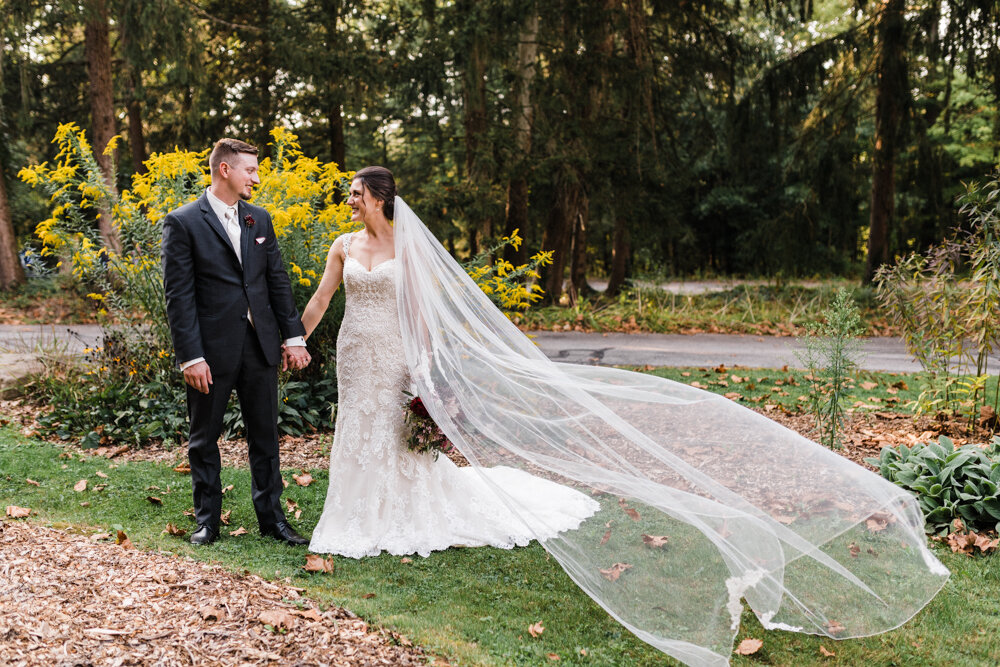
x,y
213,221
245,234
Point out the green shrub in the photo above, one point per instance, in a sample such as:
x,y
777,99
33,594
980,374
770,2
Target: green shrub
x,y
949,483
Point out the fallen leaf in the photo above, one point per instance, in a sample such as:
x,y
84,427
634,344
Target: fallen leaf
x,y
154,500
309,614
405,560
655,541
210,613
733,395
316,563
900,385
183,468
829,654
85,504
97,537
284,482
277,619
32,482
123,540
227,489
552,656
615,571
80,486
239,531
536,629
628,510
290,504
298,514
224,517
367,596
854,549
698,385
686,374
101,474
305,479
868,386
749,646
171,529
834,628
15,512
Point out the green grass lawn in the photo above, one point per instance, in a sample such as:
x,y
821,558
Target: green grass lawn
x,y
473,606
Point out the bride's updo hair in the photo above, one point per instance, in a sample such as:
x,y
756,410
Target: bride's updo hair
x,y
382,185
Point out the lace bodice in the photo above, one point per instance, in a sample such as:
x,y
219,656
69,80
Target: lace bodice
x,y
382,496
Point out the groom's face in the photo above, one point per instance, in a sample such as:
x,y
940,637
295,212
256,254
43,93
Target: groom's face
x,y
241,175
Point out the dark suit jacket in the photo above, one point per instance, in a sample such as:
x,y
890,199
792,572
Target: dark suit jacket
x,y
208,292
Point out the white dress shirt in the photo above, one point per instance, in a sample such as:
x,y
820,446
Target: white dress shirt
x,y
228,216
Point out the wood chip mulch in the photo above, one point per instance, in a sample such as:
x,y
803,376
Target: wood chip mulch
x,y
68,600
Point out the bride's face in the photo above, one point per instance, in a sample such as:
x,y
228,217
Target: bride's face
x,y
363,204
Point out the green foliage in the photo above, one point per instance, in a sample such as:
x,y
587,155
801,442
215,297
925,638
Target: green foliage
x,y
949,483
830,354
946,304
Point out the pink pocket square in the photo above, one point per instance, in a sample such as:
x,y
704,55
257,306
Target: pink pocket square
x,y
260,239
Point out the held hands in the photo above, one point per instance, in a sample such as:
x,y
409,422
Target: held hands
x,y
295,357
199,376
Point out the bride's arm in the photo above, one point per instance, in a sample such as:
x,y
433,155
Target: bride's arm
x,y
332,275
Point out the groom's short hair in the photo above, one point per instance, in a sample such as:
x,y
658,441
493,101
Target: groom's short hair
x,y
226,149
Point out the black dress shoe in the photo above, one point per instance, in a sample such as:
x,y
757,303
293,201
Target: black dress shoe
x,y
284,533
204,535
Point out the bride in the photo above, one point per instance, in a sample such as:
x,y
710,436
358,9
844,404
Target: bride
x,y
666,504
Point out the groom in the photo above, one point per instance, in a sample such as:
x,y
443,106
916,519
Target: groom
x,y
230,306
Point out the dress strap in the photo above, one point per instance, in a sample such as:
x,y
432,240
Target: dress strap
x,y
347,244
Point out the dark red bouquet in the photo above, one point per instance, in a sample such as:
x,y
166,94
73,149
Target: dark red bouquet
x,y
425,435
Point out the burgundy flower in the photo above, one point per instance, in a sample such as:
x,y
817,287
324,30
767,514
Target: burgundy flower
x,y
417,407
249,220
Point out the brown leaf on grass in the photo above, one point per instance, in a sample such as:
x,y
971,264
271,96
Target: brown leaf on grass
x,y
405,560
749,646
227,489
733,395
536,629
290,504
183,468
15,512
32,482
900,385
878,521
171,529
284,482
209,613
101,474
154,500
612,573
868,386
828,654
239,531
190,512
607,534
698,385
80,486
655,541
224,517
834,628
854,549
315,563
628,510
721,368
122,539
552,656
305,479
367,596
277,619
298,514
686,374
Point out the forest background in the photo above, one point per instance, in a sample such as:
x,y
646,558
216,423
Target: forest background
x,y
632,137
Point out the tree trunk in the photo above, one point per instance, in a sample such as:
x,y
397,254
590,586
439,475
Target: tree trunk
x,y
621,251
265,78
11,272
475,124
557,238
334,98
890,101
578,261
97,48
517,187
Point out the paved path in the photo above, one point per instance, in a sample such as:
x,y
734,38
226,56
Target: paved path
x,y
18,344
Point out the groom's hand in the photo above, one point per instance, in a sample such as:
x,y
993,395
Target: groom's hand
x,y
199,376
295,357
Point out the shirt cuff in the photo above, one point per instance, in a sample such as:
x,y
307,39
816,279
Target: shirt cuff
x,y
189,364
297,341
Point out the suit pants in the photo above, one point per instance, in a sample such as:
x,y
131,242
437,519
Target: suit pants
x,y
256,384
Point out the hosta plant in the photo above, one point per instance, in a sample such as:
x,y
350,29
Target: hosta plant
x,y
949,483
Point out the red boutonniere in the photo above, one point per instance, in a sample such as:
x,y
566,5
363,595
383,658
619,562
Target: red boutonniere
x,y
249,220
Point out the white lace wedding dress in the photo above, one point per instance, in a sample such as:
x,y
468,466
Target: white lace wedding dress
x,y
382,497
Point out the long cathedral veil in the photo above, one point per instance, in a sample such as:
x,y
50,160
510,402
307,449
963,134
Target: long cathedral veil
x,y
703,502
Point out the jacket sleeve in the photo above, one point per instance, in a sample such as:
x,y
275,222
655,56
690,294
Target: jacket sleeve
x,y
279,288
178,288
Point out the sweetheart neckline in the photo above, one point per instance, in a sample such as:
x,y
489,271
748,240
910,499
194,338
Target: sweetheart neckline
x,y
384,261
